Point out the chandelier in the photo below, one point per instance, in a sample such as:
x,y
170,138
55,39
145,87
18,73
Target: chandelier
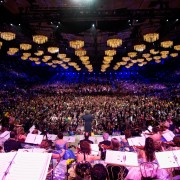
x,y
123,63
149,58
55,61
140,47
34,59
157,57
132,54
110,52
8,36
77,44
25,46
37,62
157,61
24,57
134,61
53,50
39,53
164,56
67,59
61,56
27,54
177,47
166,44
125,58
114,43
84,58
108,58
12,51
80,52
152,51
174,54
146,55
140,60
164,52
47,58
151,37
1,44
40,39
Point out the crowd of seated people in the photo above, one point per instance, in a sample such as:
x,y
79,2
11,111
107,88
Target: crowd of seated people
x,y
60,112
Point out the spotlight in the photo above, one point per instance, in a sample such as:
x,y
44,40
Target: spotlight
x,y
59,23
19,24
92,25
167,20
51,22
57,26
177,19
136,20
11,24
129,20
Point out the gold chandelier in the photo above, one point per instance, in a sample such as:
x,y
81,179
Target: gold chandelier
x,y
77,44
146,55
164,56
177,47
12,51
61,56
25,46
134,61
110,52
152,51
53,50
1,44
84,58
157,57
151,37
149,58
114,43
24,58
164,52
39,53
67,59
140,60
125,58
80,52
27,54
166,44
132,54
140,47
40,39
108,58
47,57
8,36
174,54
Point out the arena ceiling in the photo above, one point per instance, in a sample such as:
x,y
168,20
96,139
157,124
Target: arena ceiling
x,y
93,22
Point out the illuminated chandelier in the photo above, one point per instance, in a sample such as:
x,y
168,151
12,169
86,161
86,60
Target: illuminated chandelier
x,y
157,57
177,47
134,61
164,56
140,47
108,58
77,44
12,51
39,53
132,54
151,37
166,44
80,52
53,50
27,54
140,60
174,54
110,52
24,57
47,57
152,51
164,52
61,56
1,44
40,39
125,58
123,63
146,55
25,46
8,36
149,58
114,43
67,59
84,58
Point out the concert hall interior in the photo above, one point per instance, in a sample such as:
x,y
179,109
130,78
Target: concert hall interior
x,y
90,89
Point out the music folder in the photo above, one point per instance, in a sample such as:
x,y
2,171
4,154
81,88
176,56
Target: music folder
x,y
168,159
94,149
24,166
169,135
69,139
136,141
34,138
5,135
121,158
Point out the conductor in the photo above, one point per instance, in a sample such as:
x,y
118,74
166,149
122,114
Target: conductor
x,y
88,118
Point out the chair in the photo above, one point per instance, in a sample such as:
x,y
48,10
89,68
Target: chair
x,y
148,170
116,172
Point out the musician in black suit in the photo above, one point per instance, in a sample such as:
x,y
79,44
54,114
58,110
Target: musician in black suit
x,y
86,138
88,118
12,144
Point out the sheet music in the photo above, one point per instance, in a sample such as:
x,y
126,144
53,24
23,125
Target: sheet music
x,y
37,150
169,135
34,138
32,128
69,139
29,166
94,149
121,158
136,141
5,135
168,159
5,160
51,137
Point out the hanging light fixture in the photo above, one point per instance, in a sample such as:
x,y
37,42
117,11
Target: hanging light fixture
x,y
125,58
166,44
152,51
164,52
47,57
146,55
84,58
164,56
132,54
40,39
39,53
25,46
53,50
108,58
61,56
80,52
114,43
177,47
151,37
1,44
12,51
27,54
67,59
8,36
140,60
110,52
174,54
149,59
140,47
77,44
157,57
